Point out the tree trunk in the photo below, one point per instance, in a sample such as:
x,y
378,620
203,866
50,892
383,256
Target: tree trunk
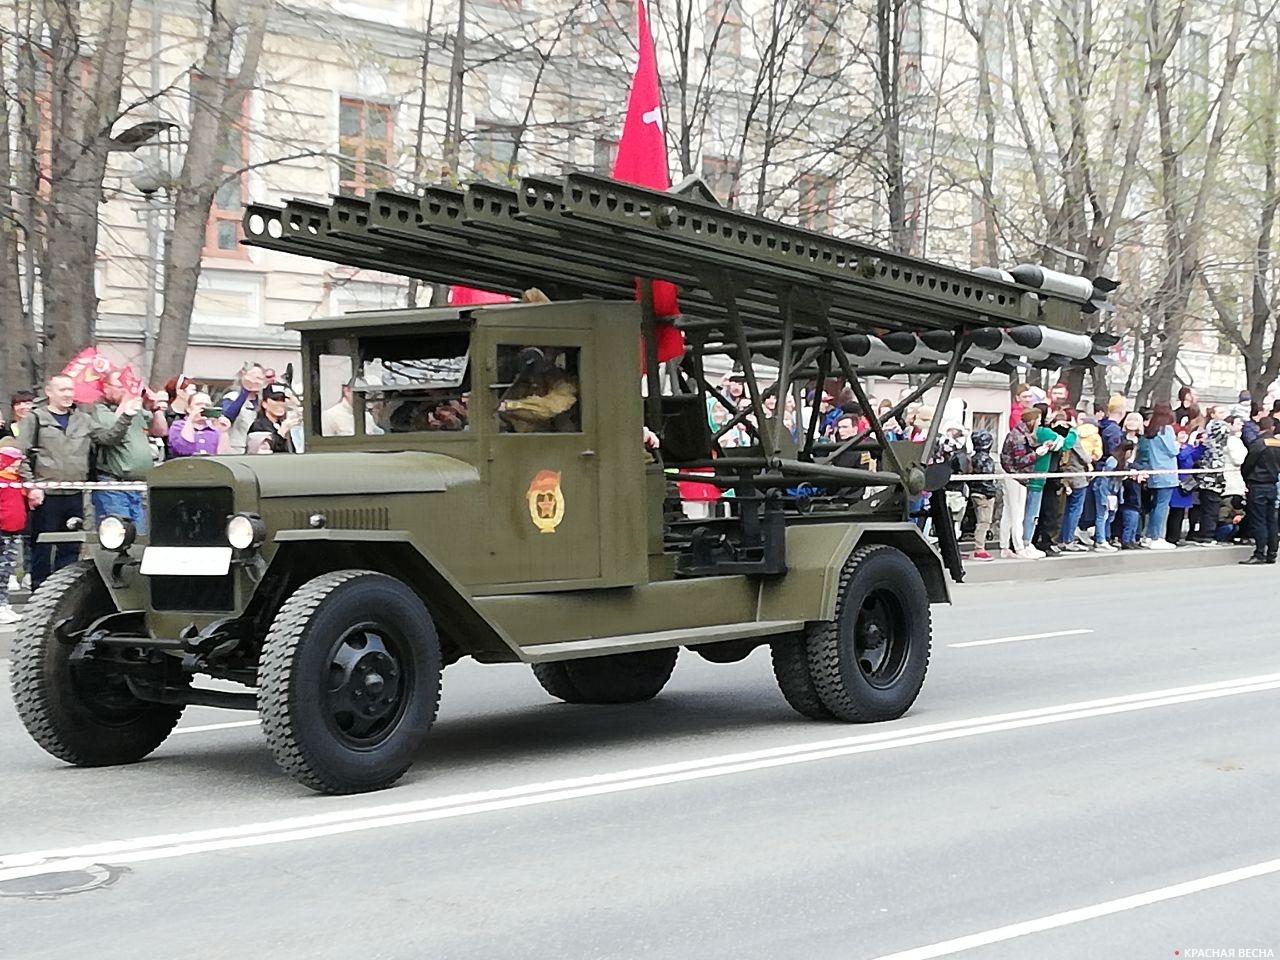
x,y
889,63
217,108
80,118
17,335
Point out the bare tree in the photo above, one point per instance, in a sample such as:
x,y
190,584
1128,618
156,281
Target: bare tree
x,y
1185,196
218,92
1256,334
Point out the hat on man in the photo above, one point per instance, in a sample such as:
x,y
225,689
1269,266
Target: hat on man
x,y
274,391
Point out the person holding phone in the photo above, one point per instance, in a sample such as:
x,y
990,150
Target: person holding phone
x,y
277,421
204,431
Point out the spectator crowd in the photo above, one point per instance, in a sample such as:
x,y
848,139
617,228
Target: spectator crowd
x,y
1062,481
110,429
1067,480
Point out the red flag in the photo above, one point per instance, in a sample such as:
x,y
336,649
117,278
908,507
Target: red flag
x,y
88,369
642,160
130,382
469,297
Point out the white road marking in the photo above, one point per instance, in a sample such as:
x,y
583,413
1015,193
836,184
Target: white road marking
x,y
120,852
1025,636
1014,930
209,727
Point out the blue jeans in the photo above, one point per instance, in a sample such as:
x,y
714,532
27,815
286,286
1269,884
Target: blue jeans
x,y
1032,515
1071,513
1129,524
119,503
1158,518
1101,490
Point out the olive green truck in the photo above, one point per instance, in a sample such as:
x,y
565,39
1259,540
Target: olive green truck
x,y
484,482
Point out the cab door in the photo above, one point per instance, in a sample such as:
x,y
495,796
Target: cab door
x,y
542,463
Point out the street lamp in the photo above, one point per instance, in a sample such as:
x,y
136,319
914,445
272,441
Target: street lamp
x,y
152,176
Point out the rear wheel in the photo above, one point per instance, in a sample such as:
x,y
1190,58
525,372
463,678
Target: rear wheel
x,y
621,678
791,670
349,681
869,663
78,710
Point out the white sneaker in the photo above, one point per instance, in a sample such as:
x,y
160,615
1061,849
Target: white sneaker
x,y
1031,553
14,584
7,615
26,582
1144,542
1161,545
1104,548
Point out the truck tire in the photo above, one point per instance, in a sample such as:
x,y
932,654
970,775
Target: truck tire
x,y
621,678
77,711
349,681
791,670
869,663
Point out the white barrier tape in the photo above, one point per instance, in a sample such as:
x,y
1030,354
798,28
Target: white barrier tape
x,y
74,485
1091,474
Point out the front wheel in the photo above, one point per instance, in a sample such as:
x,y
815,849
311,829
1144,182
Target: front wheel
x,y
78,710
349,681
869,663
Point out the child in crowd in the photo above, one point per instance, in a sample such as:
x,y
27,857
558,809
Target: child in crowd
x,y
1105,492
1130,506
982,493
13,524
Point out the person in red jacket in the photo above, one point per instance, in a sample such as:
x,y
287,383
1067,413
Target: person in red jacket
x,y
13,524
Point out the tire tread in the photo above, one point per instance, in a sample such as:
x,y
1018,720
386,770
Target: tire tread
x,y
276,694
29,685
825,647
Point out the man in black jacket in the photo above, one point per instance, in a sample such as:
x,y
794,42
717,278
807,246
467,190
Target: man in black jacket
x,y
1261,472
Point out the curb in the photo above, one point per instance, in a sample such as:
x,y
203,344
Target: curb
x,y
1071,566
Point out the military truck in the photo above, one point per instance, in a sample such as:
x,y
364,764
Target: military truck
x,y
476,483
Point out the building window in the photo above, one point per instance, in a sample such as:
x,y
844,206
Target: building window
x,y
724,27
912,198
495,150
224,231
622,12
721,175
817,201
822,40
366,146
978,238
604,155
911,47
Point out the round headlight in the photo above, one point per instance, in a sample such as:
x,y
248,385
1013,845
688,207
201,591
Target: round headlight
x,y
245,532
116,533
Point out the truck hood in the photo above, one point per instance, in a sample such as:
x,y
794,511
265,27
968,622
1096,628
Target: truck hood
x,y
324,474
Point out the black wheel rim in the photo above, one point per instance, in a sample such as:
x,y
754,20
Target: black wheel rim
x,y
881,640
369,679
107,697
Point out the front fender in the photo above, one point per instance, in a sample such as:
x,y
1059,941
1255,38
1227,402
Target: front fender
x,y
816,553
301,555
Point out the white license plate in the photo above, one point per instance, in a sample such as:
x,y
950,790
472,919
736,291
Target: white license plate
x,y
185,561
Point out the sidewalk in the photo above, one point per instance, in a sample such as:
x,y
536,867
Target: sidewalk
x,y
1072,565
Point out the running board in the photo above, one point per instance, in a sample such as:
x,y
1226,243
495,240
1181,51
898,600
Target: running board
x,y
630,643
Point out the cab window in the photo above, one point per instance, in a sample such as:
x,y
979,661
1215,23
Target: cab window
x,y
415,384
538,389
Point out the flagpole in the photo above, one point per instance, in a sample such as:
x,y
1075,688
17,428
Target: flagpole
x,y
649,329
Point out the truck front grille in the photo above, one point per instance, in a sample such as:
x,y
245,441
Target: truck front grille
x,y
191,517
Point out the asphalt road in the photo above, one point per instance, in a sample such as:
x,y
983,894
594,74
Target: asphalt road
x,y
1107,792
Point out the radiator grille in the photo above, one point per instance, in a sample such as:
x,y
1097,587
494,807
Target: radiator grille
x,y
191,517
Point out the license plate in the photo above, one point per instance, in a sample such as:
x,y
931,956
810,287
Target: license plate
x,y
185,561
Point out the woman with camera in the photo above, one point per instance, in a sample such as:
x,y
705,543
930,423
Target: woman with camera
x,y
204,431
